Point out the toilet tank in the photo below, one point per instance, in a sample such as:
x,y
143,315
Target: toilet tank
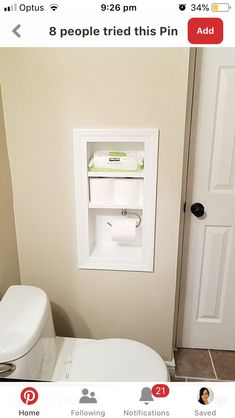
x,y
27,334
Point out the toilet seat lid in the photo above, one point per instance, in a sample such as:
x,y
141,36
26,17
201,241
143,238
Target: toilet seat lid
x,y
23,315
116,359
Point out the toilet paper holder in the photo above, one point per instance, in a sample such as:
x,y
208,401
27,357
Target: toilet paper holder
x,y
125,213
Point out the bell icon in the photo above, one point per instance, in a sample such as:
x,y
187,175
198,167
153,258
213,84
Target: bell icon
x,y
146,395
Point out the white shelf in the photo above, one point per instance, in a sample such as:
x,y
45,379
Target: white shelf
x,y
115,206
113,257
116,252
130,174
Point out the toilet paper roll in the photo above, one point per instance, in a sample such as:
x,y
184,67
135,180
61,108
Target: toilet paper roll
x,y
123,229
101,190
129,191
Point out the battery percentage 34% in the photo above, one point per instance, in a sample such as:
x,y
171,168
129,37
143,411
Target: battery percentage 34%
x,y
200,7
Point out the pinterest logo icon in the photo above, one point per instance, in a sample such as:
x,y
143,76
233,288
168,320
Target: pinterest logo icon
x,y
29,396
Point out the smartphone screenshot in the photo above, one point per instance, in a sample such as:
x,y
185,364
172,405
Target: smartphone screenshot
x,y
117,197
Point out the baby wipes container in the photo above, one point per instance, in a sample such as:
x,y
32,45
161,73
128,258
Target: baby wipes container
x,y
116,161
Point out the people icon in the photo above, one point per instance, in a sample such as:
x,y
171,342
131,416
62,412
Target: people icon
x,y
87,399
205,396
146,395
92,398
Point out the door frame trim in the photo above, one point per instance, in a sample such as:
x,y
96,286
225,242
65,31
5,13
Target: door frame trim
x,y
180,280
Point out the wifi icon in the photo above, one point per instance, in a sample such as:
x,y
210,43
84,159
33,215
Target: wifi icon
x,y
54,7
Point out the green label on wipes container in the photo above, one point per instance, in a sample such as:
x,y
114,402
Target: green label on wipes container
x,y
117,154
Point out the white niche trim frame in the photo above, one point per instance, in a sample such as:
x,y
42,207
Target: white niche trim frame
x,y
95,248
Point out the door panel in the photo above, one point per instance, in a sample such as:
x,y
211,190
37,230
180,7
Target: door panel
x,y
214,269
222,173
207,305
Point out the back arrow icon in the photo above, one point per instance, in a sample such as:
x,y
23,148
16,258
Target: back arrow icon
x,y
15,31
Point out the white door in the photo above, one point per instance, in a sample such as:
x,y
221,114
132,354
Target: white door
x,y
207,306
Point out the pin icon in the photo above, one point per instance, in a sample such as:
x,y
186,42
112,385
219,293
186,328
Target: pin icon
x,y
29,396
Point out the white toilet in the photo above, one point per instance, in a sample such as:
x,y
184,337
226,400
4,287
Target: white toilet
x,y
30,350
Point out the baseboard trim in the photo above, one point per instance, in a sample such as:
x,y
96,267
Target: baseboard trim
x,y
170,366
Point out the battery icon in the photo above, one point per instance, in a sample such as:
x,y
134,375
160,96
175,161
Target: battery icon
x,y
220,7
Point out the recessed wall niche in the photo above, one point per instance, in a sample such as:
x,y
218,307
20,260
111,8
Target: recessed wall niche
x,y
116,177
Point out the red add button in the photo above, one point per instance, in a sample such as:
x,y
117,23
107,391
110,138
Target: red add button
x,y
205,30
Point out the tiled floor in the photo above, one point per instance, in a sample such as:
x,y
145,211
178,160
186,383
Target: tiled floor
x,y
203,365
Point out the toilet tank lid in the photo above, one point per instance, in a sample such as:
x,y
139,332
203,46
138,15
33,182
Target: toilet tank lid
x,y
23,315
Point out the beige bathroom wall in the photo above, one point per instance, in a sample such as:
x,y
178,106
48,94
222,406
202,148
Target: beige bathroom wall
x,y
9,265
46,94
